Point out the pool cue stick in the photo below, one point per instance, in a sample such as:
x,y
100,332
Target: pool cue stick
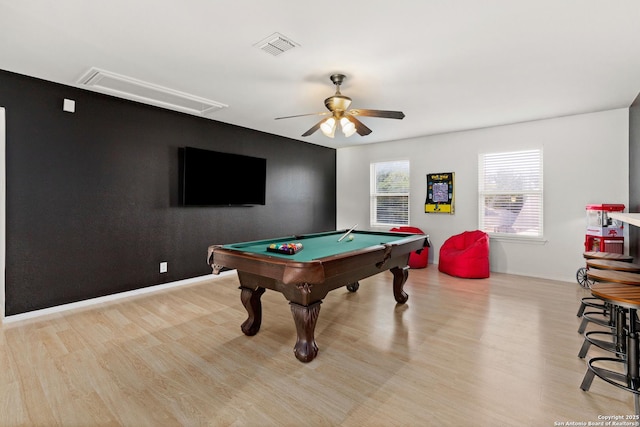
x,y
347,233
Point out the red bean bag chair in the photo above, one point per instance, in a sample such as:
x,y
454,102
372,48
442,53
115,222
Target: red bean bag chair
x,y
466,255
417,259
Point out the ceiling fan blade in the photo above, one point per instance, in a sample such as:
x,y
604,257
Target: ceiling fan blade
x,y
314,128
386,114
303,115
360,127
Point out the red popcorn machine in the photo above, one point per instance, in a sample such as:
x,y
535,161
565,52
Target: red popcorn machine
x,y
604,234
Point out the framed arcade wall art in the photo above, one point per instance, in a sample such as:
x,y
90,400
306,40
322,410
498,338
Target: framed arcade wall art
x,y
440,193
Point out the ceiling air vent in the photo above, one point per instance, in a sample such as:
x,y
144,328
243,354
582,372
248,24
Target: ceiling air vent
x,y
148,93
276,44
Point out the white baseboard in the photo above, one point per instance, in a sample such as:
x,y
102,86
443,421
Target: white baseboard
x,y
108,298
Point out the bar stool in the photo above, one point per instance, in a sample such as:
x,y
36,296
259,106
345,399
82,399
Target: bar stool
x,y
605,264
625,297
612,256
613,340
609,264
593,303
581,274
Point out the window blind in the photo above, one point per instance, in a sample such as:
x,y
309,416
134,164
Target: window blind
x,y
510,193
390,193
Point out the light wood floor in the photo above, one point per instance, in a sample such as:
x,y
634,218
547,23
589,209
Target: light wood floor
x,y
494,352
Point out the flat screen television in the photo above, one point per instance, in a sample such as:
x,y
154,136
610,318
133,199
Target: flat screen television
x,y
213,178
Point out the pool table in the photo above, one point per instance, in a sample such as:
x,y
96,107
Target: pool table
x,y
305,277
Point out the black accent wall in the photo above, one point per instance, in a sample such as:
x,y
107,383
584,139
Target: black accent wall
x,y
634,174
93,196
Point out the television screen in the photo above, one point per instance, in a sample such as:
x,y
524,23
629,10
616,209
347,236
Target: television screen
x,y
213,178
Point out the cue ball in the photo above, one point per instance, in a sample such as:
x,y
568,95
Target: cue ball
x,y
350,236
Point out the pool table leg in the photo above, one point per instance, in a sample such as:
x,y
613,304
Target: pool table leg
x,y
400,276
251,300
305,318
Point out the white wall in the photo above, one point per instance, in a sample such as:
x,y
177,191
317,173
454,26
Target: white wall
x,y
585,161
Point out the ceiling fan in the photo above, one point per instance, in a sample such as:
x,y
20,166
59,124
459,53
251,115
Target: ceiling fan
x,y
338,105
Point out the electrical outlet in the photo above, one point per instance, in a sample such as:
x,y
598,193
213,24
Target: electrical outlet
x,y
163,267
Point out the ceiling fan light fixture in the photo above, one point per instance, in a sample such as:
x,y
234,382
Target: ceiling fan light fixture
x,y
337,102
348,128
328,128
338,106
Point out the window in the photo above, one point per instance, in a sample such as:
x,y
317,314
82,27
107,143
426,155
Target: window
x,y
390,193
510,193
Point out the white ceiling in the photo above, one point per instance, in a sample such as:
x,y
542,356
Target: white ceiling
x,y
448,65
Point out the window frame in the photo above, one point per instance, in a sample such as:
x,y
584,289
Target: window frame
x,y
374,219
536,191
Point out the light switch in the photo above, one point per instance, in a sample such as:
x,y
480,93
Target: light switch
x,y
69,105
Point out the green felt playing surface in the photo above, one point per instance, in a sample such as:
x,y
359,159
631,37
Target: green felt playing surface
x,y
319,245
